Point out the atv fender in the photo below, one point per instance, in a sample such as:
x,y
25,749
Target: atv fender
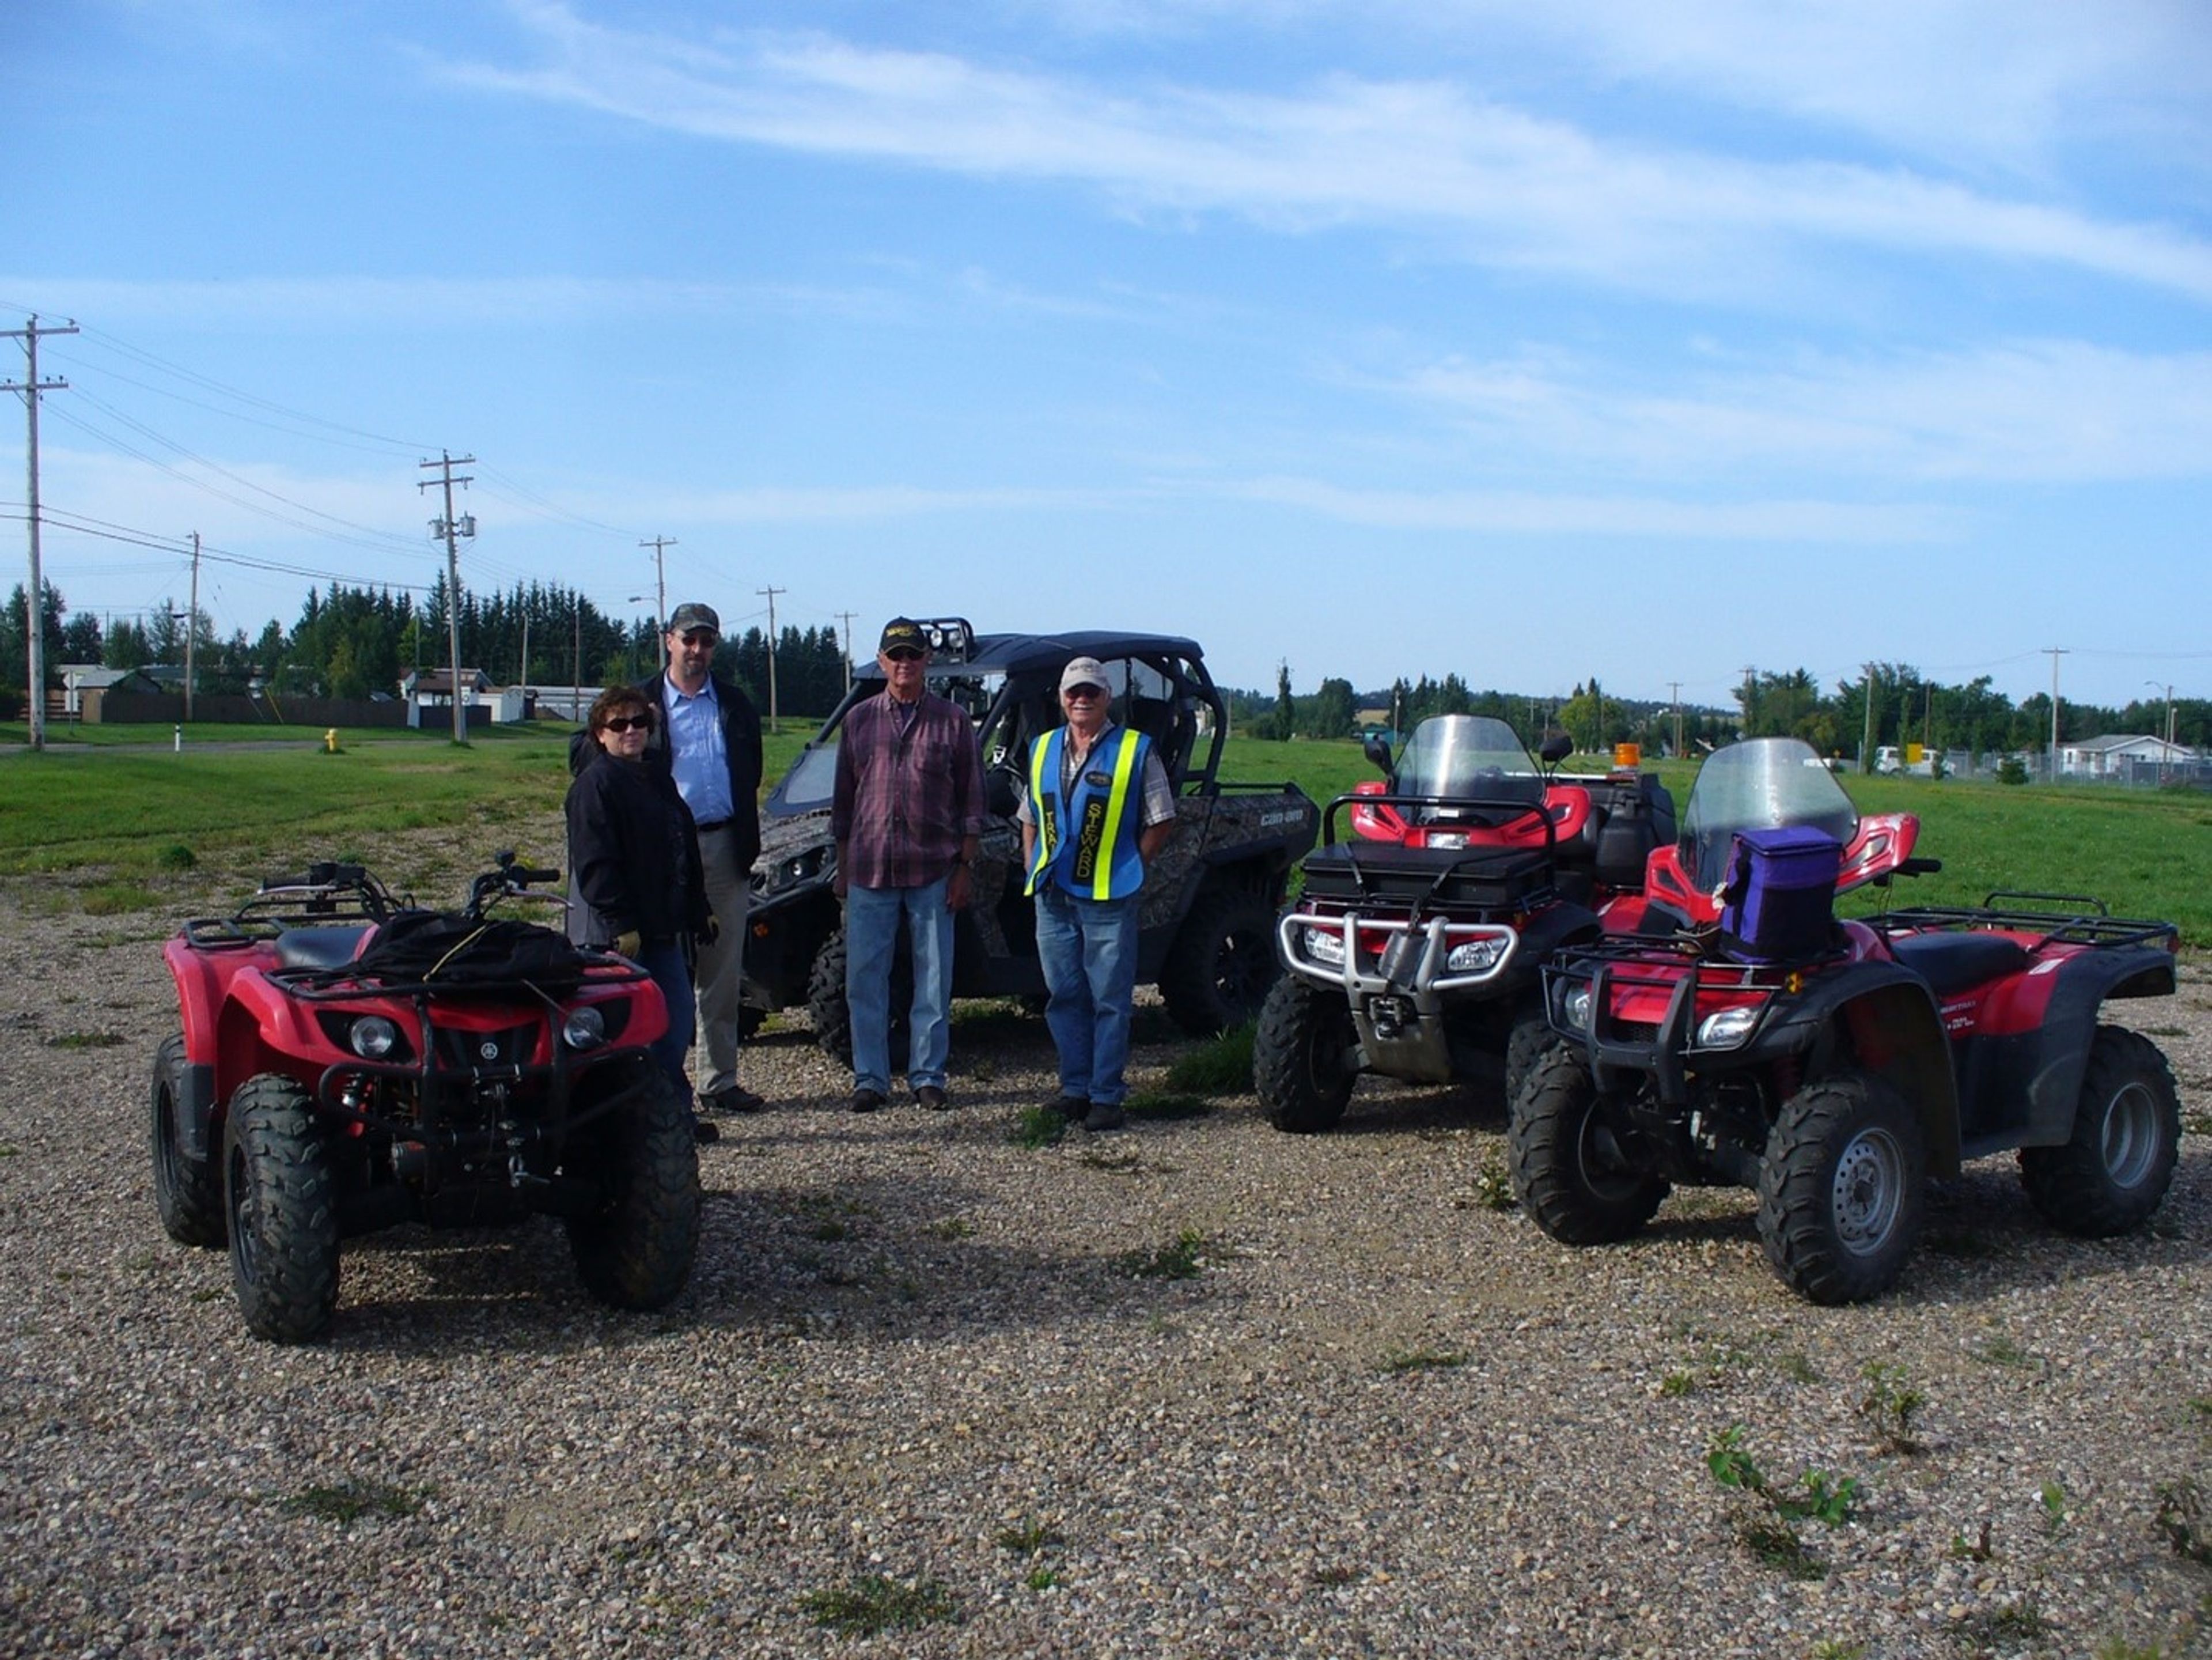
x,y
2079,987
1879,1018
199,995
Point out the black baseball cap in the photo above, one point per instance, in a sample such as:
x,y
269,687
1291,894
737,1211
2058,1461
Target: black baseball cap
x,y
903,633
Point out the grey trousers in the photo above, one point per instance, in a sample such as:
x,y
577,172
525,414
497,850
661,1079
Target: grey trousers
x,y
719,973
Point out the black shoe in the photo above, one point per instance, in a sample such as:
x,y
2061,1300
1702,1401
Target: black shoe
x,y
736,1098
704,1132
1073,1108
931,1098
866,1100
1104,1115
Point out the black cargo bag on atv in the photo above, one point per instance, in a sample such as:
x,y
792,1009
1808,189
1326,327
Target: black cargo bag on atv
x,y
452,950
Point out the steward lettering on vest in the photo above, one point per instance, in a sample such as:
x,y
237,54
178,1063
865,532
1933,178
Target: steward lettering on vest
x,y
1086,843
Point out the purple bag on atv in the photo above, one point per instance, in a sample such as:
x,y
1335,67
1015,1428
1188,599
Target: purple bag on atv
x,y
1779,899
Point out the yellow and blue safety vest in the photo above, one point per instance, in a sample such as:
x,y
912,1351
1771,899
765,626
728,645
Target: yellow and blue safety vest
x,y
1100,860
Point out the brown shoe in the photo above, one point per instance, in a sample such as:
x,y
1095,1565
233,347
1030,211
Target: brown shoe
x,y
931,1098
866,1100
736,1098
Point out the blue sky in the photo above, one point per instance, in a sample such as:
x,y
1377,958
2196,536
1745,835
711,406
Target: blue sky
x,y
1599,337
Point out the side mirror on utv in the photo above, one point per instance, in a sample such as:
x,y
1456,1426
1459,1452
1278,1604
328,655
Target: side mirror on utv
x,y
1556,748
1379,752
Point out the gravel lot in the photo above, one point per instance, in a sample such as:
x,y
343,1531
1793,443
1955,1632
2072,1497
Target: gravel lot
x,y
1384,1419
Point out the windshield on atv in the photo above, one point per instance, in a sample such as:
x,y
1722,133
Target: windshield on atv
x,y
1761,783
1468,755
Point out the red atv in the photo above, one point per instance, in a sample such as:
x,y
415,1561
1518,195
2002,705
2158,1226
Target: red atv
x,y
1413,950
1833,1067
347,1062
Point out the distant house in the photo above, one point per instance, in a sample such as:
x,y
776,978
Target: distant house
x,y
2119,756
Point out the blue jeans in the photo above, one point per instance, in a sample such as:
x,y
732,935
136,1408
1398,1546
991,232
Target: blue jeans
x,y
871,923
673,975
1088,948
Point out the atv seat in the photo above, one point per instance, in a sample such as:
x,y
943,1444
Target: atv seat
x,y
321,948
1953,963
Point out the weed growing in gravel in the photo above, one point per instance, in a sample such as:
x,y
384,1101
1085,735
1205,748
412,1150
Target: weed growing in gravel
x,y
1889,1406
1037,1127
86,1040
1183,1257
1221,1066
1423,1360
2200,1405
877,1602
9,1150
1979,1550
951,1227
1041,1578
2007,1625
1834,1648
2196,1122
1120,1163
2118,1648
1335,1574
346,1502
1677,1384
1028,1538
1492,1187
2052,1498
1770,1533
118,898
176,857
2181,1519
2002,1350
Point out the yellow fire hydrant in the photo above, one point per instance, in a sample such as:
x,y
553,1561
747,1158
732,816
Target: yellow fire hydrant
x,y
331,741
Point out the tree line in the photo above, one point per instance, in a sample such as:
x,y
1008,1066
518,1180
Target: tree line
x,y
357,641
1893,704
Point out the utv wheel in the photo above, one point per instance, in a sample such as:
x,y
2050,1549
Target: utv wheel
x,y
282,1210
1842,1189
1570,1171
1222,962
635,1250
2114,1172
833,1015
1305,1056
187,1191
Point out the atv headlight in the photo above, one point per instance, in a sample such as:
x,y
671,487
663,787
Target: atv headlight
x,y
1476,956
799,868
1324,946
373,1038
1575,1006
1729,1028
585,1028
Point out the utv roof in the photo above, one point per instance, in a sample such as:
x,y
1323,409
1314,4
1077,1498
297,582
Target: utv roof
x,y
1017,653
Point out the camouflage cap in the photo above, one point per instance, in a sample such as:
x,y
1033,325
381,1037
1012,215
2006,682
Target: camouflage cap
x,y
690,616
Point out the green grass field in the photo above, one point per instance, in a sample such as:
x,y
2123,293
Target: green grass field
x,y
127,808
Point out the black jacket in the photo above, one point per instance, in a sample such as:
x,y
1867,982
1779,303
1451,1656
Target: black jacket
x,y
741,741
633,856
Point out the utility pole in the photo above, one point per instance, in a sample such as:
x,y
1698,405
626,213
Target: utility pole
x,y
774,722
576,664
523,679
35,607
192,624
451,530
1866,742
1750,692
660,581
846,617
1675,691
2054,652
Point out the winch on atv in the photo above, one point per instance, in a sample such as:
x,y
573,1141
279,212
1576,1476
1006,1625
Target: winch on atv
x,y
347,1061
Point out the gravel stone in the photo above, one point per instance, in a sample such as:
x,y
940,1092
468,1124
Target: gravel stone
x,y
1384,1419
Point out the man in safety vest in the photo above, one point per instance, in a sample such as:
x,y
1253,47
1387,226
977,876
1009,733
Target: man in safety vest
x,y
1099,807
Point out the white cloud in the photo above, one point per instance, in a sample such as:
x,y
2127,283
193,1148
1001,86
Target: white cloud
x,y
2040,411
1495,183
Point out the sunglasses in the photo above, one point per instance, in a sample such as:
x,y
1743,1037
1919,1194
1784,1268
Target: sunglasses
x,y
628,723
1088,694
904,654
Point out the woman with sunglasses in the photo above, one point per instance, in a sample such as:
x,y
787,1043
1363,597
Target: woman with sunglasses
x,y
634,865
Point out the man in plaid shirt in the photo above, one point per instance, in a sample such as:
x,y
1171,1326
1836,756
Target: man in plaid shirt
x,y
907,813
